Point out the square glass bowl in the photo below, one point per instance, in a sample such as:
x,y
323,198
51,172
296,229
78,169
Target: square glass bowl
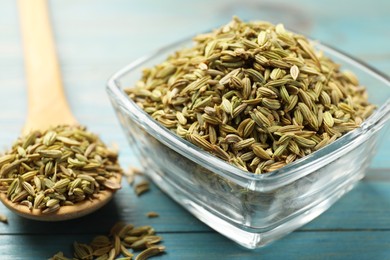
x,y
250,209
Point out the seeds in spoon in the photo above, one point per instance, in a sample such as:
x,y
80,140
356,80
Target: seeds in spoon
x,y
60,166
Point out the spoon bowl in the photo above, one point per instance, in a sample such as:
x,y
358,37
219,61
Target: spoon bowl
x,y
80,209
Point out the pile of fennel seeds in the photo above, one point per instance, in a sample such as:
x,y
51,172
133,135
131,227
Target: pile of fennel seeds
x,y
253,94
122,243
60,166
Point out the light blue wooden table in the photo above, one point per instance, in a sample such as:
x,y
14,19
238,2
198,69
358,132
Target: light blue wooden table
x,y
95,38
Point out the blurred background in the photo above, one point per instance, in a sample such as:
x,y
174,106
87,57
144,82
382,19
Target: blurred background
x,y
97,37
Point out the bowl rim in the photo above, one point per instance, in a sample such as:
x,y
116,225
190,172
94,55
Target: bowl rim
x,y
271,180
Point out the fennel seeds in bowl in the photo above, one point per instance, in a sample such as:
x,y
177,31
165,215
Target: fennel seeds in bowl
x,y
60,166
253,94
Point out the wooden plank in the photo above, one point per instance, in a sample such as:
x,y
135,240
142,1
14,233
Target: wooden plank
x,y
298,245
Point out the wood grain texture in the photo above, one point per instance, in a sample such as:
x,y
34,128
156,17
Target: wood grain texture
x,y
97,37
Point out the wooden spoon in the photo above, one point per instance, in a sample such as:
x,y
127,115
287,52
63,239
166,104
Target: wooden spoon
x,y
47,105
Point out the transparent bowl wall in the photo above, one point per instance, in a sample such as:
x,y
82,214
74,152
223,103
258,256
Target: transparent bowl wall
x,y
252,210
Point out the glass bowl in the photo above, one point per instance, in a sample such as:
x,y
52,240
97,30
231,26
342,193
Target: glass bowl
x,y
250,209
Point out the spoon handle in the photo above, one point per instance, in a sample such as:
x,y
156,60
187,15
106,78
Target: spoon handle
x,y
47,105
